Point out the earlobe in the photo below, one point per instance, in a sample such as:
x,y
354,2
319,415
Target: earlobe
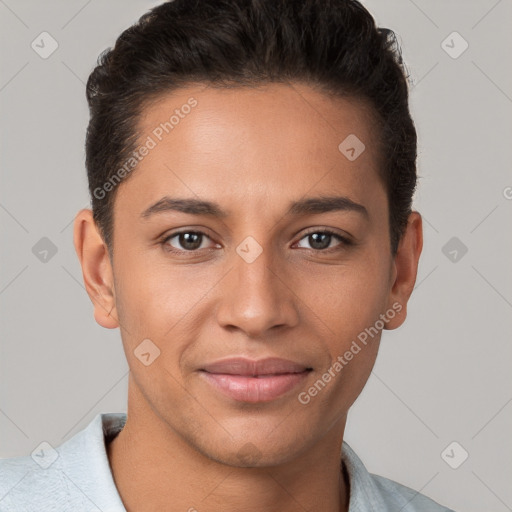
x,y
405,269
96,268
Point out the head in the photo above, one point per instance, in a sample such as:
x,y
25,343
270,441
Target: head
x,y
251,166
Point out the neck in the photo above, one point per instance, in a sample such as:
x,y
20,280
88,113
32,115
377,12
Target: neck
x,y
154,468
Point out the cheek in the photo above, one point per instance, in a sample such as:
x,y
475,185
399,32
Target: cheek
x,y
346,298
348,301
349,313
163,303
352,371
154,295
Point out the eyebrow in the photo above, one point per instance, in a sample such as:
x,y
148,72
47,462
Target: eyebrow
x,y
311,205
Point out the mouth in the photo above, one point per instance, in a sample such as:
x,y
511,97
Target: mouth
x,y
254,381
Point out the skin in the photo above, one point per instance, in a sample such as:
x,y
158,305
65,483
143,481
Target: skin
x,y
253,151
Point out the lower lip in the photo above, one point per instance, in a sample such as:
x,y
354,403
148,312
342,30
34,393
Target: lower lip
x,y
254,389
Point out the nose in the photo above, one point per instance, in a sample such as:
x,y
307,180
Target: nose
x,y
257,296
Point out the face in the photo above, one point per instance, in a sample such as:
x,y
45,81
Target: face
x,y
246,232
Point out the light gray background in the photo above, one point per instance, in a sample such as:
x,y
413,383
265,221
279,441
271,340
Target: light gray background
x,y
444,376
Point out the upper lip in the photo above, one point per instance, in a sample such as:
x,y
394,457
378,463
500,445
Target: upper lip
x,y
250,367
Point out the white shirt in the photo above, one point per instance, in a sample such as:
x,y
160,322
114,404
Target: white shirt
x,y
76,477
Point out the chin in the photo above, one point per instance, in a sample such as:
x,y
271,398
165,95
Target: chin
x,y
250,456
255,449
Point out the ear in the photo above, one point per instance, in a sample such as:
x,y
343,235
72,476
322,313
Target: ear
x,y
96,268
404,269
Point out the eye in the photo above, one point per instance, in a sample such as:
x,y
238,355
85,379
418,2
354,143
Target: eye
x,y
320,240
185,241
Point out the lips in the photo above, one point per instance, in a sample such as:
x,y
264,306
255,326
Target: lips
x,y
254,381
254,368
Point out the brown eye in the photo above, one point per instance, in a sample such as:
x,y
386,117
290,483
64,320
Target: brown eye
x,y
321,240
185,240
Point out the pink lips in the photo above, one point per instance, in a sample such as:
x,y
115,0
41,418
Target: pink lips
x,y
253,381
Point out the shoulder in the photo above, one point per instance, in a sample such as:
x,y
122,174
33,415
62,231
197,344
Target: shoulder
x,y
369,492
73,476
402,496
24,483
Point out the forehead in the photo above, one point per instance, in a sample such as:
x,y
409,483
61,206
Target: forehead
x,y
254,145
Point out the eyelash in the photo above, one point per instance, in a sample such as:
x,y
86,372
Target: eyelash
x,y
344,241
